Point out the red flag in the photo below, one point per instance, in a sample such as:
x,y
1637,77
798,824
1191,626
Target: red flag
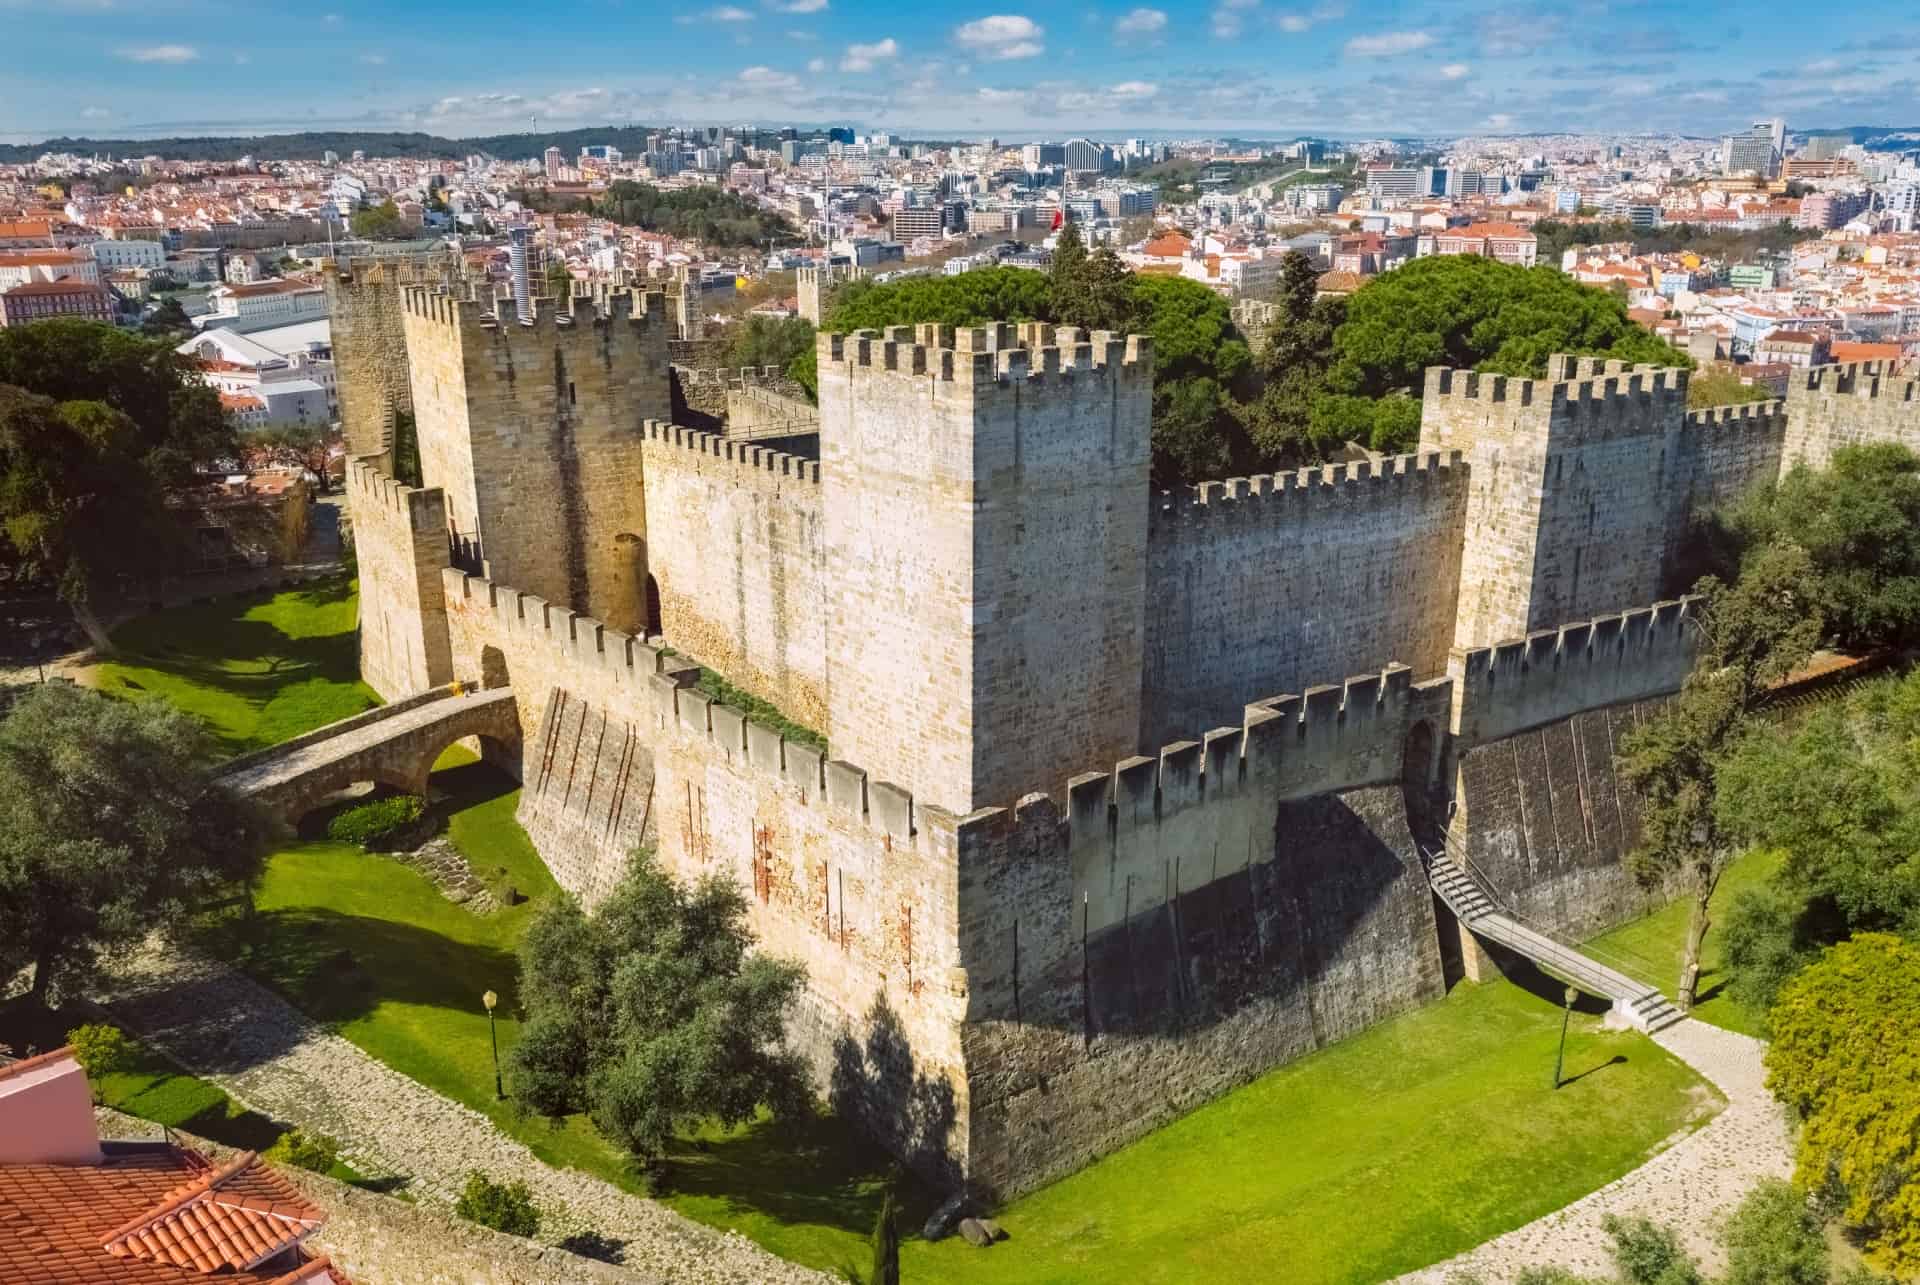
x,y
1059,217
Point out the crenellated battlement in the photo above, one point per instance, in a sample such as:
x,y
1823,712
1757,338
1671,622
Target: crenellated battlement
x,y
999,354
1766,416
1581,387
664,683
1264,496
732,377
780,464
1554,673
552,317
1872,379
368,486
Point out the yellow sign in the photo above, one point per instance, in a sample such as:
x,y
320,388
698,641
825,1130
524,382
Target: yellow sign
x,y
740,283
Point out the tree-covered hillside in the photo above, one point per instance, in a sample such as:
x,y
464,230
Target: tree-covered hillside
x,y
705,214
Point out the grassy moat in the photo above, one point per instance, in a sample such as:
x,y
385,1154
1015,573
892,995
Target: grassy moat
x,y
1402,1146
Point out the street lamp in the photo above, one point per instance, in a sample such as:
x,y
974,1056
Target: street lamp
x,y
490,999
1566,1016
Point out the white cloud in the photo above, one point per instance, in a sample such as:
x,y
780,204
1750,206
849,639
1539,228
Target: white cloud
x,y
1388,44
863,57
1499,120
1295,22
1002,95
804,37
94,113
1455,70
1138,23
1822,66
331,19
727,13
1135,89
797,6
373,60
1002,36
161,53
241,60
768,78
1228,20
816,65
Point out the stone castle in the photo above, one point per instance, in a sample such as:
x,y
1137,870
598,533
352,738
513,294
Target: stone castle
x,y
1103,824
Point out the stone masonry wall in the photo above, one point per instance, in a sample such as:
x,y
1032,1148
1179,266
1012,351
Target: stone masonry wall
x,y
1850,405
988,549
370,350
1189,922
849,876
548,417
736,543
1567,510
400,544
1720,454
1547,822
1265,584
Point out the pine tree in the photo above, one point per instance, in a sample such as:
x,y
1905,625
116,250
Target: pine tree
x,y
1069,275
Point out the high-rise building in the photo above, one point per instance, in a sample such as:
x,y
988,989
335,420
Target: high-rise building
x,y
1754,151
1084,156
1399,183
554,159
1038,156
1823,147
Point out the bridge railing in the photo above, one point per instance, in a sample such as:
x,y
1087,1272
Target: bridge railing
x,y
377,714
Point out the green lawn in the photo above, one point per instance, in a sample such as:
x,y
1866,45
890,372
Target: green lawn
x,y
1402,1146
1650,949
258,667
153,1088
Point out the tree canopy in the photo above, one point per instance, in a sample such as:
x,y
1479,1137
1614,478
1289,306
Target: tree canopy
x,y
769,341
650,1014
378,222
1846,1057
710,215
109,827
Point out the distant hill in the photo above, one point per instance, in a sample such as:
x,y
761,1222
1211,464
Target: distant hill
x,y
1875,138
631,139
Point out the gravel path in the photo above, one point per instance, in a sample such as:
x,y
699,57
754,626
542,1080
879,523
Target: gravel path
x,y
232,1031
1690,1186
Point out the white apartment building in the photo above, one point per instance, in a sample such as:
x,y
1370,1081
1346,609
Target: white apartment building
x,y
116,256
265,303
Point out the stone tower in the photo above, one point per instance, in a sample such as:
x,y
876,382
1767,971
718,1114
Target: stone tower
x,y
1567,513
986,512
814,287
533,428
1850,405
370,348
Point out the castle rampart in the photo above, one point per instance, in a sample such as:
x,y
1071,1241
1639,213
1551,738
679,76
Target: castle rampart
x,y
1849,405
369,339
400,544
1263,583
736,542
988,548
539,421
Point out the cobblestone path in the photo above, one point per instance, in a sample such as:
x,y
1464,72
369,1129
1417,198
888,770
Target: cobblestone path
x,y
1690,1187
229,1029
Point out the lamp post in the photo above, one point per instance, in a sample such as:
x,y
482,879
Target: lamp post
x,y
490,999
1566,1015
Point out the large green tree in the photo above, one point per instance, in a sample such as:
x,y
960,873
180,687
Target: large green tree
x,y
769,341
110,827
652,1013
1859,522
77,504
1845,1057
378,222
1475,313
1752,633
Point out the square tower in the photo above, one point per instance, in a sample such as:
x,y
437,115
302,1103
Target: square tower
x,y
1568,479
986,507
534,430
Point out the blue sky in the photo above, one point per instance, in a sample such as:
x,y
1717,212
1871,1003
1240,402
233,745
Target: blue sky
x,y
1007,67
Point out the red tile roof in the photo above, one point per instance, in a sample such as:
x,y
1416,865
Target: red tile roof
x,y
151,1214
35,1062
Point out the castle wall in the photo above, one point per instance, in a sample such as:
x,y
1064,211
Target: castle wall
x,y
400,545
1567,509
849,876
1721,454
1191,921
1849,405
534,428
1265,584
370,350
736,541
988,549
1546,823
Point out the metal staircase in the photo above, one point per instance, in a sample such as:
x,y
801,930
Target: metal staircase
x,y
1641,1005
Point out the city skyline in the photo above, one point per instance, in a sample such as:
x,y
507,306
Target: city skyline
x,y
1255,66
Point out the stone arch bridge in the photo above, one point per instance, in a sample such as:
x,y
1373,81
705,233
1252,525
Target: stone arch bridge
x,y
394,745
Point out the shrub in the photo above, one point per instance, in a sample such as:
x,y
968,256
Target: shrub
x,y
506,1207
1649,1254
304,1150
368,823
102,1050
